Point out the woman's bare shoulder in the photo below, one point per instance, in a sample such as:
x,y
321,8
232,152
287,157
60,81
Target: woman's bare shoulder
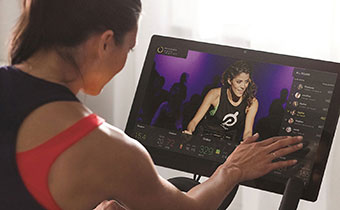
x,y
53,118
105,164
254,102
215,92
213,96
47,121
97,167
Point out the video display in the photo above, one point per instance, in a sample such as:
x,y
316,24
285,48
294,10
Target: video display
x,y
203,105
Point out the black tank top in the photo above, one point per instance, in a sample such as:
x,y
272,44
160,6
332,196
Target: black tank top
x,y
20,94
228,118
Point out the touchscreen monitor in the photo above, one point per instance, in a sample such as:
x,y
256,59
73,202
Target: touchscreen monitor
x,y
196,101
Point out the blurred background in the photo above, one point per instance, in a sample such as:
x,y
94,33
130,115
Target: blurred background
x,y
304,28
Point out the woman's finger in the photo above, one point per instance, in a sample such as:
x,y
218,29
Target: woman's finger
x,y
250,139
281,164
284,142
271,140
285,151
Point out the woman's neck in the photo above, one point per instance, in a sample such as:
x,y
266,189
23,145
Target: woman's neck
x,y
233,98
49,66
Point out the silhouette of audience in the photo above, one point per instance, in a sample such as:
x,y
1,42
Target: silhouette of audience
x,y
169,113
181,85
155,95
269,126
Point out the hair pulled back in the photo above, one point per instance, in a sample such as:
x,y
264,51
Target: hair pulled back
x,y
46,24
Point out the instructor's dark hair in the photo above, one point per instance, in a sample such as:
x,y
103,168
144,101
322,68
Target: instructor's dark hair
x,y
59,24
235,69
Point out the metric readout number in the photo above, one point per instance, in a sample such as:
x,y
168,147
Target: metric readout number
x,y
206,150
140,136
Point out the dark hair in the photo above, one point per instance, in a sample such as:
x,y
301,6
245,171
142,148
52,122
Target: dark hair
x,y
46,24
235,69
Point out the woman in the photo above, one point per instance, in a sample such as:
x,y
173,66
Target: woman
x,y
233,106
56,154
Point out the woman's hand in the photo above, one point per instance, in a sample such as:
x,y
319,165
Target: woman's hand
x,y
191,127
255,159
109,205
187,132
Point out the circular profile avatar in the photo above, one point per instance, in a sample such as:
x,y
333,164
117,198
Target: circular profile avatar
x,y
295,103
297,95
289,129
291,120
292,112
300,87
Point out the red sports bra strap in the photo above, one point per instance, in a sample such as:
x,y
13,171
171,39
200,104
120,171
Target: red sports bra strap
x,y
34,164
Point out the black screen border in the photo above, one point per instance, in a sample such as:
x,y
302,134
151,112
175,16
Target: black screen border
x,y
205,167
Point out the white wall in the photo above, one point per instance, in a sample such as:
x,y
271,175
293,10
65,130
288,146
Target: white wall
x,y
115,101
9,11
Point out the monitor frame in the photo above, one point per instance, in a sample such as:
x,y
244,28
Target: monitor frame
x,y
205,167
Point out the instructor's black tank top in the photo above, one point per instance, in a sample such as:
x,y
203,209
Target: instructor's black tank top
x,y
228,119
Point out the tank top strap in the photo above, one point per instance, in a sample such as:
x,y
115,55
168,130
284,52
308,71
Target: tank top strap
x,y
44,155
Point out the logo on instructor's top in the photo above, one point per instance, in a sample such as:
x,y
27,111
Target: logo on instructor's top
x,y
229,120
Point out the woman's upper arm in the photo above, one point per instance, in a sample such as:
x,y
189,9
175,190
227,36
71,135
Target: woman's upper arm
x,y
127,174
250,117
207,101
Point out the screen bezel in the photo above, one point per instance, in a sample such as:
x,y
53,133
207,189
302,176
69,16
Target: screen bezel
x,y
205,167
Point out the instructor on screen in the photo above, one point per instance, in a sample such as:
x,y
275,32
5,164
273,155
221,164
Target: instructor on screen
x,y
231,108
